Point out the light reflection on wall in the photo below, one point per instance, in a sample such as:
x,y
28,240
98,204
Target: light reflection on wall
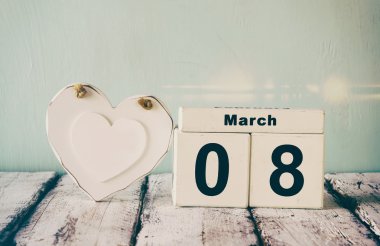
x,y
336,90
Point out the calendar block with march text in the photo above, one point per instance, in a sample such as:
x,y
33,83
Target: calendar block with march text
x,y
211,169
257,120
286,154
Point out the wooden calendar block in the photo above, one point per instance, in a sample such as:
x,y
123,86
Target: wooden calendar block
x,y
211,169
287,170
286,156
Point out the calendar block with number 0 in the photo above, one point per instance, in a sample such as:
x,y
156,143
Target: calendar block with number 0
x,y
211,169
235,157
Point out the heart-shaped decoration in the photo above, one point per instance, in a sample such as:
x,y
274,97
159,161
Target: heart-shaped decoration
x,y
105,149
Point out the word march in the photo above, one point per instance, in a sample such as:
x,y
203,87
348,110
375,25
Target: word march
x,y
233,120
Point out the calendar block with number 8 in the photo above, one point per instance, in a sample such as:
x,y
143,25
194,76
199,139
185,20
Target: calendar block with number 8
x,y
286,171
285,158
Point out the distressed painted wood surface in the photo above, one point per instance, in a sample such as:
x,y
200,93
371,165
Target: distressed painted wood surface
x,y
19,194
67,216
143,214
359,192
332,225
164,224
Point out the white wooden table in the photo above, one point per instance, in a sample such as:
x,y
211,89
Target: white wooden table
x,y
46,209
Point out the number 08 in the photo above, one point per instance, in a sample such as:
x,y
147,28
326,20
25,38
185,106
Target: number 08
x,y
223,170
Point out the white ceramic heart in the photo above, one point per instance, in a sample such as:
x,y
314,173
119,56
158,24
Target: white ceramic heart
x,y
104,148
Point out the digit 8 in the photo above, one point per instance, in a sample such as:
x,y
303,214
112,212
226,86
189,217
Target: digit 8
x,y
283,168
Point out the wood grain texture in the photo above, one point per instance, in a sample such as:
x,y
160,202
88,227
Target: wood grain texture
x,y
164,224
359,192
68,216
19,193
332,225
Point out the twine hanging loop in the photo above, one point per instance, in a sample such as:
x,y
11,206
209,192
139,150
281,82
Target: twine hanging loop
x,y
145,103
80,90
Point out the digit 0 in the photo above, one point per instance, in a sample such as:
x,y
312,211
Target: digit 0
x,y
283,168
200,169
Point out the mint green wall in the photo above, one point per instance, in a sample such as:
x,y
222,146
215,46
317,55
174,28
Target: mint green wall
x,y
320,54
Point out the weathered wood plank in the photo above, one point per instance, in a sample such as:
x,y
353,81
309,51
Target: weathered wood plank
x,y
19,194
359,192
68,216
332,225
164,224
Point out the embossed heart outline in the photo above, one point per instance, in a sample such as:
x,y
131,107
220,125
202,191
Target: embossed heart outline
x,y
65,108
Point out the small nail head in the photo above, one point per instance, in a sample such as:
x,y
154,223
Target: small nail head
x,y
145,103
80,90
